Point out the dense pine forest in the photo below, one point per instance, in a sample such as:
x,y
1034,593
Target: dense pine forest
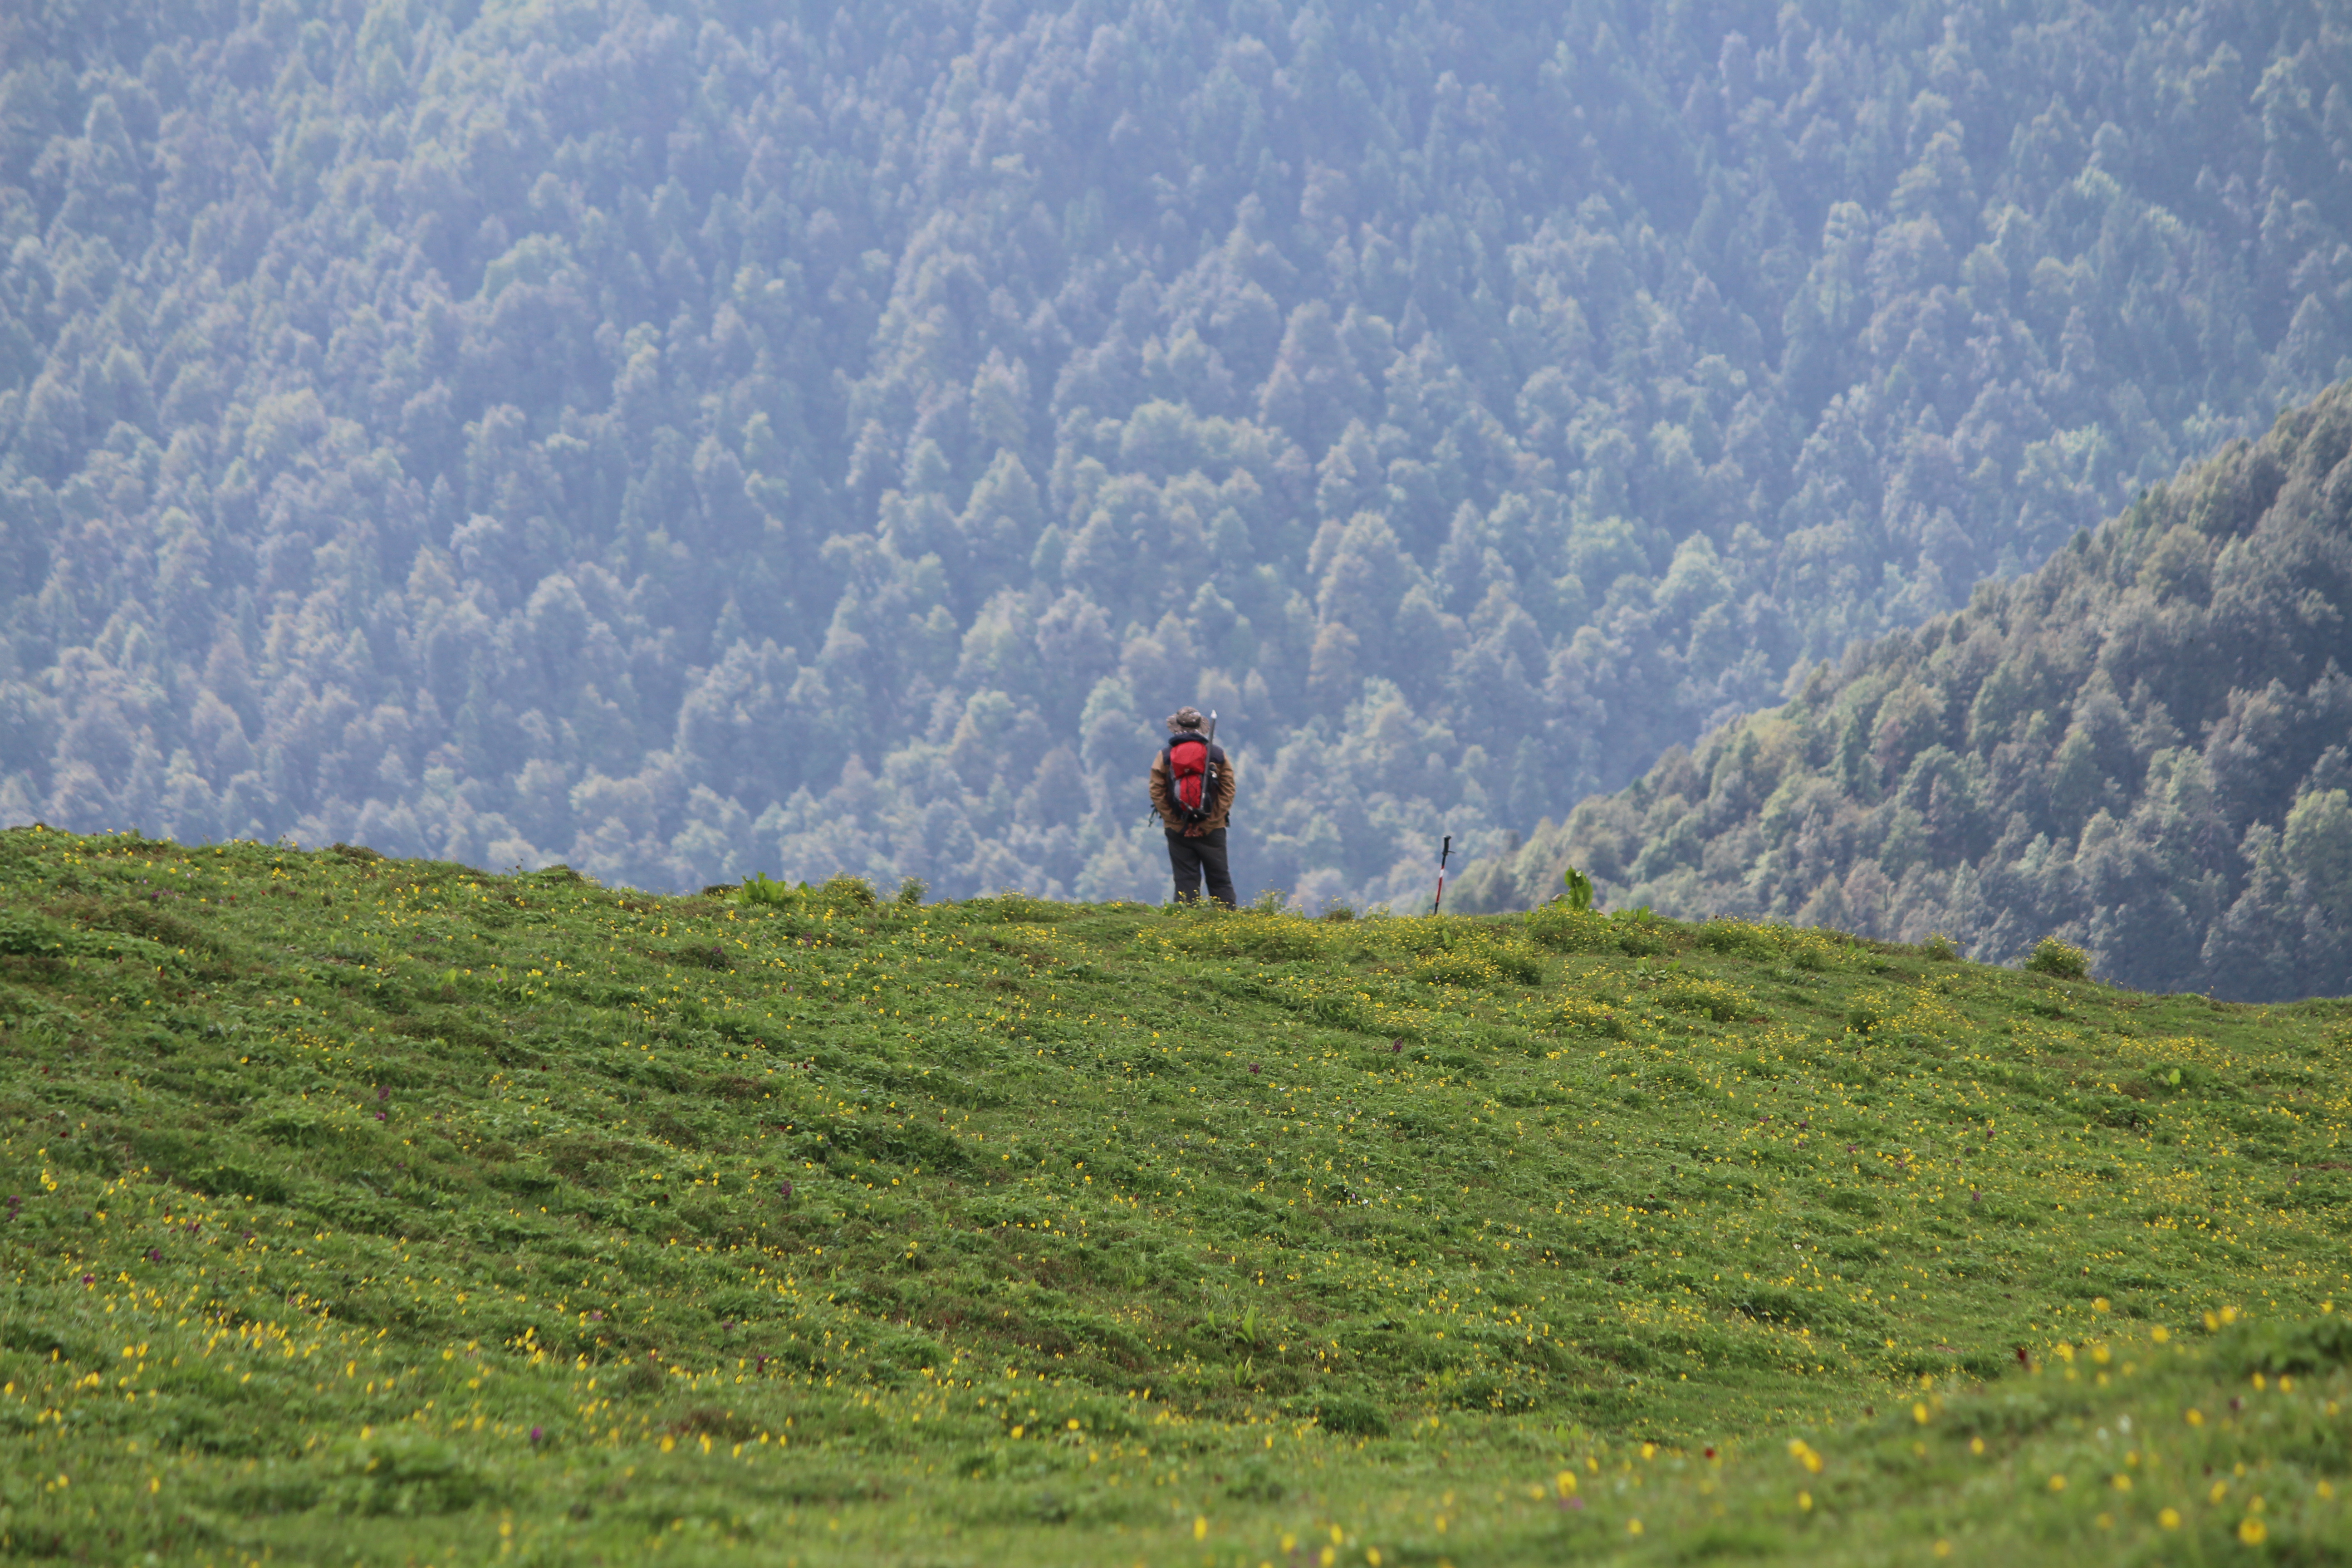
x,y
2145,746
691,439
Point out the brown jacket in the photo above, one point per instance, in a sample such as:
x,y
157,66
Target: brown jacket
x,y
1222,807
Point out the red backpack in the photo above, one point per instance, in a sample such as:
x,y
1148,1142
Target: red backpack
x,y
1192,762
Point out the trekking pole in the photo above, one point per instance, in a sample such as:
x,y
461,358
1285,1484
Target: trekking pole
x,y
1209,770
1444,850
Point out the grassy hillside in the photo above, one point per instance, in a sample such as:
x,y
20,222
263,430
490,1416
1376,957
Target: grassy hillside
x,y
386,1206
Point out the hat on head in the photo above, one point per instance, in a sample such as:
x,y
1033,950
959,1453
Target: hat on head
x,y
1186,718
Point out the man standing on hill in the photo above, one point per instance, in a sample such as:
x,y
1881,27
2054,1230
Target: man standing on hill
x,y
1192,790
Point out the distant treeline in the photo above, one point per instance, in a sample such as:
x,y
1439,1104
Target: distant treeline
x,y
689,439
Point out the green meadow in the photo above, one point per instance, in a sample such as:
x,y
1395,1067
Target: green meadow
x,y
355,1209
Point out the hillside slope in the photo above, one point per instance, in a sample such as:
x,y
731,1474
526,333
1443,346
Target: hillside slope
x,y
340,1186
685,438
2145,746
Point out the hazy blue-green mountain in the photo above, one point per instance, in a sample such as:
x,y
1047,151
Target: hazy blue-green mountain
x,y
686,439
2145,747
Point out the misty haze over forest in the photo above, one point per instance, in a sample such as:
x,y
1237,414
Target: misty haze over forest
x,y
692,441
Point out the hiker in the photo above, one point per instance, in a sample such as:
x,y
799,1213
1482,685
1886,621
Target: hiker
x,y
1192,791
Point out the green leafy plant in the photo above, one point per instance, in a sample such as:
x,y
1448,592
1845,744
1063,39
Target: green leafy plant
x,y
2062,958
1465,952
1516,962
1350,1416
843,892
1276,938
761,889
407,1473
1455,969
23,932
1579,895
1718,999
1872,1010
1565,930
1639,932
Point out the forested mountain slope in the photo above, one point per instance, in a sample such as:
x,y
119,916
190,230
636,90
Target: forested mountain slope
x,y
688,438
2145,746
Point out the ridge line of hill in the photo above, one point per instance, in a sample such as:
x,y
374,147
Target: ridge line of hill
x,y
2144,746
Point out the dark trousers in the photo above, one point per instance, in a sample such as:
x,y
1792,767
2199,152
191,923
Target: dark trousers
x,y
1191,858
